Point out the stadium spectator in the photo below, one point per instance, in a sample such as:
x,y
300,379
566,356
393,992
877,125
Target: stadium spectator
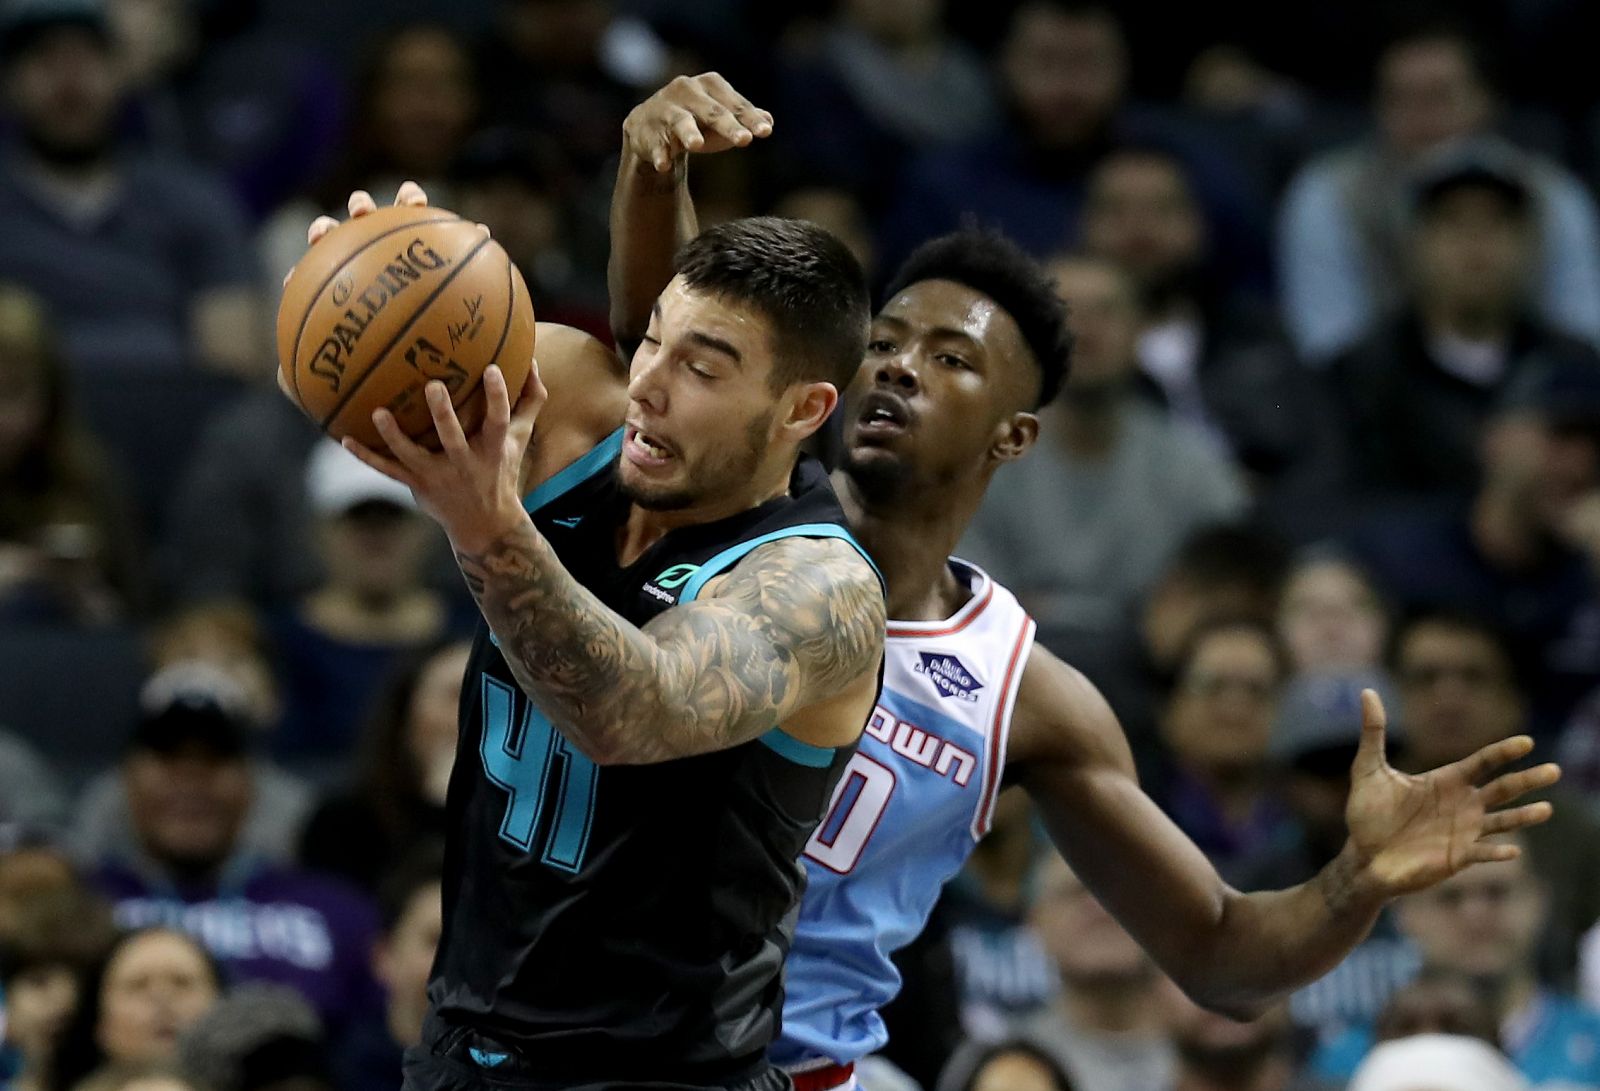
x,y
223,646
1064,71
1332,617
415,106
30,792
1343,220
1217,359
1216,1053
1438,1001
138,1077
209,84
521,186
1312,749
335,645
368,1057
257,1038
1011,1064
1217,725
1105,1026
144,992
407,751
1515,551
878,82
1082,527
1437,1062
1484,923
142,260
1415,392
68,552
58,938
189,788
1458,692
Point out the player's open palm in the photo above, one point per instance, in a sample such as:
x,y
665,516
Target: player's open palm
x,y
702,114
1415,831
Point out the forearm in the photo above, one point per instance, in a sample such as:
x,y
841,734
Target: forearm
x,y
1265,945
598,678
651,216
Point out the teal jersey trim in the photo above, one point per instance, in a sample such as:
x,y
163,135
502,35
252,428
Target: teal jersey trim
x,y
598,458
726,559
778,740
801,753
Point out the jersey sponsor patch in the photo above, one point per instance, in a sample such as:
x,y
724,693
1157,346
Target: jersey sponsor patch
x,y
949,676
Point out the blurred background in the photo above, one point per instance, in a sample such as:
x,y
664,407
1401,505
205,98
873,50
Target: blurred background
x,y
1334,422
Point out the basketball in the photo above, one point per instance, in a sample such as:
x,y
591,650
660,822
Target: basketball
x,y
390,300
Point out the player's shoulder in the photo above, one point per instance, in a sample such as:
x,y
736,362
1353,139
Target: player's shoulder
x,y
802,566
586,380
1061,716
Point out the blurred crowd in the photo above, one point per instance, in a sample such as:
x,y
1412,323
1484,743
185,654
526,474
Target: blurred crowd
x,y
1333,423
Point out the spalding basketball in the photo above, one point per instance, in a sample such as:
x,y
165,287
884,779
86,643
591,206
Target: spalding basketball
x,y
388,301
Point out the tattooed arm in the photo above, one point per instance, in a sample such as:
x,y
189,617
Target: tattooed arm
x,y
795,624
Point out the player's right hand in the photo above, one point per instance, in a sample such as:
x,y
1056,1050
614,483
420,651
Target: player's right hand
x,y
701,114
361,203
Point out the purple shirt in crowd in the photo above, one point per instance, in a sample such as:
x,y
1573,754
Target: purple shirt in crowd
x,y
265,922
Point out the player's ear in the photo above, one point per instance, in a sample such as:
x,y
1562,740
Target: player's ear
x,y
810,405
1013,437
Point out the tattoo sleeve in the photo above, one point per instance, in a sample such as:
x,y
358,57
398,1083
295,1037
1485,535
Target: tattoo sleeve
x,y
795,622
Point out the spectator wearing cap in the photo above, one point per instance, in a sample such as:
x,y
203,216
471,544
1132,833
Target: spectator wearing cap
x,y
208,654
367,1058
337,644
143,261
1313,745
1437,1062
258,1038
1484,923
1415,392
189,788
1514,551
1343,230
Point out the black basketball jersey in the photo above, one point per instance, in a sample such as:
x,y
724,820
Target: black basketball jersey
x,y
627,923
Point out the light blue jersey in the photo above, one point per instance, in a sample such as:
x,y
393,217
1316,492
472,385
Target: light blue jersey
x,y
915,798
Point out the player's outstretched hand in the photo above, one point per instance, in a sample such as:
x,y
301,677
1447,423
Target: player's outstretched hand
x,y
692,114
1411,832
471,485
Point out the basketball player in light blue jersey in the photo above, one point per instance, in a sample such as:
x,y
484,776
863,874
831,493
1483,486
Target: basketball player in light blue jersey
x,y
970,342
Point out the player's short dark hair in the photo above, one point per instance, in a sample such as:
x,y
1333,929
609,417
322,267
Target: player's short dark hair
x,y
988,262
419,869
1456,619
801,279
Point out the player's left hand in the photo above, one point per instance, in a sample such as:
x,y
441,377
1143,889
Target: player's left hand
x,y
471,484
1410,832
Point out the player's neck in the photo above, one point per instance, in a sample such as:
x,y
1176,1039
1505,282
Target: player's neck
x,y
643,528
910,539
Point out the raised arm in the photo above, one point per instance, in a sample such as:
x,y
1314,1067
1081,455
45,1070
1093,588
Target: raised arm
x,y
1232,952
797,625
651,211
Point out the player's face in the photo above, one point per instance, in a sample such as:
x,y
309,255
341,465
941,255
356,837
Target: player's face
x,y
703,419
946,381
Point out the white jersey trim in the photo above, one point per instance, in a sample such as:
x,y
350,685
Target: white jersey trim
x,y
1000,729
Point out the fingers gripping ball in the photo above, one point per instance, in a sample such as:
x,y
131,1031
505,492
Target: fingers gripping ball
x,y
390,300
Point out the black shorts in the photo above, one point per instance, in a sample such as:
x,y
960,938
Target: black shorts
x,y
459,1059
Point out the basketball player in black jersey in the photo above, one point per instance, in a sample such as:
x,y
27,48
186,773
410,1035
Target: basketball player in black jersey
x,y
969,344
683,644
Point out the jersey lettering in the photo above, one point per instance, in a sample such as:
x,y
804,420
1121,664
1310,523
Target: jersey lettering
x,y
858,804
520,758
